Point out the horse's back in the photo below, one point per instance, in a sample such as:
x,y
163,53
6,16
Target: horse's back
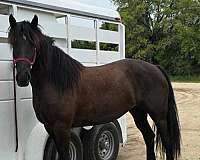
x,y
128,74
147,80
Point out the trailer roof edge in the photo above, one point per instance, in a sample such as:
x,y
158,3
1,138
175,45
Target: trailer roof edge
x,y
74,8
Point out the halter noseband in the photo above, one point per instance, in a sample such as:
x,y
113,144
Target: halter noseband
x,y
29,61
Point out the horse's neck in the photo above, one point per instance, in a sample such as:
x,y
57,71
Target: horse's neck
x,y
39,71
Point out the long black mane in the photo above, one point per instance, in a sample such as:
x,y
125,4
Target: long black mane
x,y
63,71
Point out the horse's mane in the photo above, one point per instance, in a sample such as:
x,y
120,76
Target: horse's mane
x,y
63,71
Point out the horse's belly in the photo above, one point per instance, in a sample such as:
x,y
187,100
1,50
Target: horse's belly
x,y
101,114
96,121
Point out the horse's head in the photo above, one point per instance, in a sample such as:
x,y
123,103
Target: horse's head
x,y
22,37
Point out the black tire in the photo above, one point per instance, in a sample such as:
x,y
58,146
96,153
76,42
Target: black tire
x,y
101,142
76,149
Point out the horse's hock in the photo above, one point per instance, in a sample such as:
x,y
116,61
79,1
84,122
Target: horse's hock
x,y
19,129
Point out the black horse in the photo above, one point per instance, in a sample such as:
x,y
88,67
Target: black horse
x,y
67,94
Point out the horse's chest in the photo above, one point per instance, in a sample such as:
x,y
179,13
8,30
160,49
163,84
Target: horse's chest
x,y
44,107
37,105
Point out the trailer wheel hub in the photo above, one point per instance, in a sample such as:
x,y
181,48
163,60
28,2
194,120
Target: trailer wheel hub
x,y
106,145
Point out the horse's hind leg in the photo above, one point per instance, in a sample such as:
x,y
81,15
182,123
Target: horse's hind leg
x,y
142,124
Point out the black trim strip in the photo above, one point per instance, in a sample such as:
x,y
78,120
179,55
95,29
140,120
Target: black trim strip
x,y
6,100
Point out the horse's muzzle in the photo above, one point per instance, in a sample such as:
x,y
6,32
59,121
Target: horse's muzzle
x,y
23,79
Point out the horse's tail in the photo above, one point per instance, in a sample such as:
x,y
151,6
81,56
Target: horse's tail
x,y
172,122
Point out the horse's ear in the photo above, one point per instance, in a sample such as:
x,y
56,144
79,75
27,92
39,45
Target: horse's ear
x,y
34,22
12,21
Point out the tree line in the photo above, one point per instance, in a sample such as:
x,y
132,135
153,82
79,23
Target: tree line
x,y
164,32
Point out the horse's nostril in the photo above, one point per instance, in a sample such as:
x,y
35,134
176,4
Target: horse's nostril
x,y
17,78
29,76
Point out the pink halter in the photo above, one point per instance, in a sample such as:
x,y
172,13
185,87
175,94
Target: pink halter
x,y
29,61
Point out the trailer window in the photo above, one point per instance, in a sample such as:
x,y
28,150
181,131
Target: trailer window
x,y
108,26
61,20
79,44
109,47
4,9
3,40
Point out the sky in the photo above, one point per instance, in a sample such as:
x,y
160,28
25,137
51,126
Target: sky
x,y
101,3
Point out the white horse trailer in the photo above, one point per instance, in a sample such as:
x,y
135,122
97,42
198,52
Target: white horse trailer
x,y
68,22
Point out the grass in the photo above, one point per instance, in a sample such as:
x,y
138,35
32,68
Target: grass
x,y
189,79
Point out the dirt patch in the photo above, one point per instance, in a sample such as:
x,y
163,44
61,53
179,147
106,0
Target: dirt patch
x,y
188,101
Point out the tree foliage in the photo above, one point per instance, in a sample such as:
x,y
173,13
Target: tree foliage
x,y
165,32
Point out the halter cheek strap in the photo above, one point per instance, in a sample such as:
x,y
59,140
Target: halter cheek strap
x,y
29,61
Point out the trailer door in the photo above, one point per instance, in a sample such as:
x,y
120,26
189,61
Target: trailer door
x,y
7,120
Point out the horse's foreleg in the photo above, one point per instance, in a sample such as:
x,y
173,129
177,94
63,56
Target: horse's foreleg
x,y
62,137
142,124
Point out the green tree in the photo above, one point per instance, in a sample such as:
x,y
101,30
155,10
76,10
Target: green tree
x,y
163,31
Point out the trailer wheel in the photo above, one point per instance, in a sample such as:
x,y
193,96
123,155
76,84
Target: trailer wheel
x,y
75,149
101,143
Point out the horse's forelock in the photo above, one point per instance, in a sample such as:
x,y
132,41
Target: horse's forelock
x,y
24,28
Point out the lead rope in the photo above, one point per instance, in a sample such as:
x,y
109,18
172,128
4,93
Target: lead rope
x,y
14,89
15,106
